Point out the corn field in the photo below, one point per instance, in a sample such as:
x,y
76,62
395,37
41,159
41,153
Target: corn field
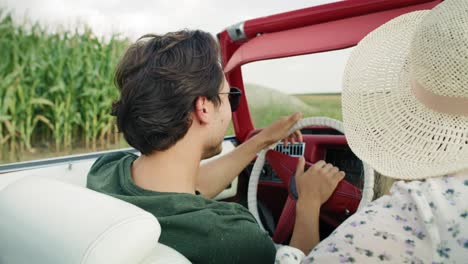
x,y
56,90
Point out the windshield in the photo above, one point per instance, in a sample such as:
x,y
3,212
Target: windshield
x,y
310,84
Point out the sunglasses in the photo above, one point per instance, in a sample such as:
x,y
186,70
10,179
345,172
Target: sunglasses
x,y
234,97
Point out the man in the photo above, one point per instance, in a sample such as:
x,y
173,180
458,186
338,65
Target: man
x,y
174,108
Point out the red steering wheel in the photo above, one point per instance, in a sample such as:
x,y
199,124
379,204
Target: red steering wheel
x,y
344,201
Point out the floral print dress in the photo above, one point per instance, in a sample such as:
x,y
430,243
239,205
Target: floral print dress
x,y
423,221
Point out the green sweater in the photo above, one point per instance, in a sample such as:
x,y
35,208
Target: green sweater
x,y
203,230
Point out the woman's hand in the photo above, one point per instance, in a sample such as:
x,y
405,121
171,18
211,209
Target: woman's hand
x,y
279,129
314,187
316,184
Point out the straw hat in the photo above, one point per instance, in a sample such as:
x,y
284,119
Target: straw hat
x,y
405,95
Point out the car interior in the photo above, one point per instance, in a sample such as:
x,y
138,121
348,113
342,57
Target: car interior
x,y
45,205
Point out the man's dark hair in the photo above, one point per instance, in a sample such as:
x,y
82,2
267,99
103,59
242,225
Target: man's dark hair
x,y
159,78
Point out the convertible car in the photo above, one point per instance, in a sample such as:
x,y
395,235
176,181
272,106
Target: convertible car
x,y
48,216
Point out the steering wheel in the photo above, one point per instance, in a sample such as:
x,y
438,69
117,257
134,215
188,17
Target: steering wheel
x,y
284,166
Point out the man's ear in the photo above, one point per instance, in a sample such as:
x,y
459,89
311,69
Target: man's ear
x,y
201,112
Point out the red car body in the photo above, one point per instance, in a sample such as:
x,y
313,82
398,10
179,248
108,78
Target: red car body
x,y
311,30
306,31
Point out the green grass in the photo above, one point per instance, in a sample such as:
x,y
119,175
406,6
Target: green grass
x,y
326,105
266,105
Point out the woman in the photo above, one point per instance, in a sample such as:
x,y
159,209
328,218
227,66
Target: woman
x,y
405,111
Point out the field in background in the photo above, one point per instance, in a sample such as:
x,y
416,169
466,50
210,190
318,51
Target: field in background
x,y
328,105
266,105
56,92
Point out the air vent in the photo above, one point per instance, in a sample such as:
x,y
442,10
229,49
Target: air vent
x,y
294,150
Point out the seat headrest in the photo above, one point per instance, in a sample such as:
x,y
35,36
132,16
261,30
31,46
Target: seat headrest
x,y
46,221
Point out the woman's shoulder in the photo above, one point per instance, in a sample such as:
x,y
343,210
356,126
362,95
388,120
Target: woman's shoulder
x,y
420,221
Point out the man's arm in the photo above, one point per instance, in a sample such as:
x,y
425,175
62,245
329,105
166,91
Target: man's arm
x,y
215,175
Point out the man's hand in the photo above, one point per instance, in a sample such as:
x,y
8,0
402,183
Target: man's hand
x,y
278,130
216,174
318,182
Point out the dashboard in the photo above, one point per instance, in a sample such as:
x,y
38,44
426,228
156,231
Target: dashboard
x,y
335,152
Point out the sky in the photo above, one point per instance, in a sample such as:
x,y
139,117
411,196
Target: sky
x,y
318,73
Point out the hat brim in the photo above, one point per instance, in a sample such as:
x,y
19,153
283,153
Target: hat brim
x,y
385,125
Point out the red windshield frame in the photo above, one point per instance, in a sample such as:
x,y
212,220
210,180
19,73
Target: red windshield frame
x,y
265,38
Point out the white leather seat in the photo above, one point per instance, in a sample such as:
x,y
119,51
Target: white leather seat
x,y
47,221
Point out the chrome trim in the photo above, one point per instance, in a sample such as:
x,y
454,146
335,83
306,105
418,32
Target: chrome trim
x,y
236,31
295,150
27,165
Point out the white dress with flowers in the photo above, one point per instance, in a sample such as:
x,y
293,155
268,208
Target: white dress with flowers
x,y
422,221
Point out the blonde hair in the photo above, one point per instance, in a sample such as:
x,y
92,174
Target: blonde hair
x,y
382,185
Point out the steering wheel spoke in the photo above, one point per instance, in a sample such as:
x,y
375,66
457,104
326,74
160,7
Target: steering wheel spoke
x,y
285,224
283,165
